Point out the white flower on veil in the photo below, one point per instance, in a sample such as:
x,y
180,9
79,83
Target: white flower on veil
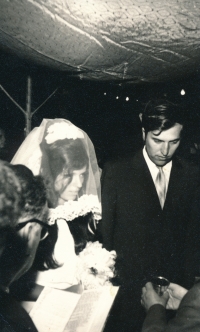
x,y
62,130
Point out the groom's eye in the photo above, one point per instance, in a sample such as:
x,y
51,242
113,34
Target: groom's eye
x,y
156,140
175,141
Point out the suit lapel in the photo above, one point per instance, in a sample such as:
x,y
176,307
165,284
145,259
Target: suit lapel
x,y
174,186
146,181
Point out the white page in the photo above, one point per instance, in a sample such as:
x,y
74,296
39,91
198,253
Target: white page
x,y
53,309
92,309
103,309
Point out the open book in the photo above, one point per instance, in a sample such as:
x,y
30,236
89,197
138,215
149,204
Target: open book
x,y
62,311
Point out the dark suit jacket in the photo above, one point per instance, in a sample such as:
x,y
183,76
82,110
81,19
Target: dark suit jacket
x,y
187,318
148,240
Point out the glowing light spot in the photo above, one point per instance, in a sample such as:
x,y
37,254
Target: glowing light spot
x,y
117,97
182,92
127,98
104,93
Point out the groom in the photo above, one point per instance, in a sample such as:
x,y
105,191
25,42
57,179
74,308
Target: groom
x,y
146,202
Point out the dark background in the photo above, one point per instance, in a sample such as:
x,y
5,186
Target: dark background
x,y
99,108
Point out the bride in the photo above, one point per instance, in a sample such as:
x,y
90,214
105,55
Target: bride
x,y
64,155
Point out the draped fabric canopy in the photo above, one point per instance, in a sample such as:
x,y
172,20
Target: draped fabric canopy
x,y
134,40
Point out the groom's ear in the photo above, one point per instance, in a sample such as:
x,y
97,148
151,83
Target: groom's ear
x,y
140,117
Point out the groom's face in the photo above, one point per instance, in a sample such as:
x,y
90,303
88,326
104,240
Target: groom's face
x,y
161,147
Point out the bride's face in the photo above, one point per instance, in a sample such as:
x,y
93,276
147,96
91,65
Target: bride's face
x,y
68,185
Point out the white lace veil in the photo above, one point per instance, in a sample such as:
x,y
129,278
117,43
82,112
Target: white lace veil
x,y
33,151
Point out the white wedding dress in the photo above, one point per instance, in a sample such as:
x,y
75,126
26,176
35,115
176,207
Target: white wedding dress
x,y
64,253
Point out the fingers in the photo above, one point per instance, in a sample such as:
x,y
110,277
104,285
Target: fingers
x,y
172,286
144,290
166,295
149,285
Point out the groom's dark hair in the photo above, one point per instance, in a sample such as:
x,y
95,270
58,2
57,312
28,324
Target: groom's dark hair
x,y
162,115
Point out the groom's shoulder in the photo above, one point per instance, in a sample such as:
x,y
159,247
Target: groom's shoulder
x,y
124,163
186,164
187,170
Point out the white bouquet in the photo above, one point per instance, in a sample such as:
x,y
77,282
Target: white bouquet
x,y
95,266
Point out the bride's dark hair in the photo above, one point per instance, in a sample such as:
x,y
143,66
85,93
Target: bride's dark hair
x,y
79,228
62,156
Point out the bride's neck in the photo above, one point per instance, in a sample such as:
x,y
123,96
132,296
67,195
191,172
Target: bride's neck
x,y
61,201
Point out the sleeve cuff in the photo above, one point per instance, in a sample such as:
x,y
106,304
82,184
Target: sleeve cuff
x,y
155,320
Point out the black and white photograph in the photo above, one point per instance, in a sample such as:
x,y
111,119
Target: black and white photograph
x,y
99,165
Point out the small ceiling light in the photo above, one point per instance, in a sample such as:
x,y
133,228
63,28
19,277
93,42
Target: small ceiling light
x,y
127,98
117,97
182,92
104,93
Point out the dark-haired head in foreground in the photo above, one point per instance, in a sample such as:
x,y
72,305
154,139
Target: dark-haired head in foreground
x,y
23,211
23,208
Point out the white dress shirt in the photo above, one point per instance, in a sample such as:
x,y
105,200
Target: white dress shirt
x,y
154,169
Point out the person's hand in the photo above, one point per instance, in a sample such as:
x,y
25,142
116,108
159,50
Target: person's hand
x,y
150,297
176,294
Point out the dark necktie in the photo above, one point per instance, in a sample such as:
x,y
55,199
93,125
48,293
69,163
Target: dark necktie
x,y
160,183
